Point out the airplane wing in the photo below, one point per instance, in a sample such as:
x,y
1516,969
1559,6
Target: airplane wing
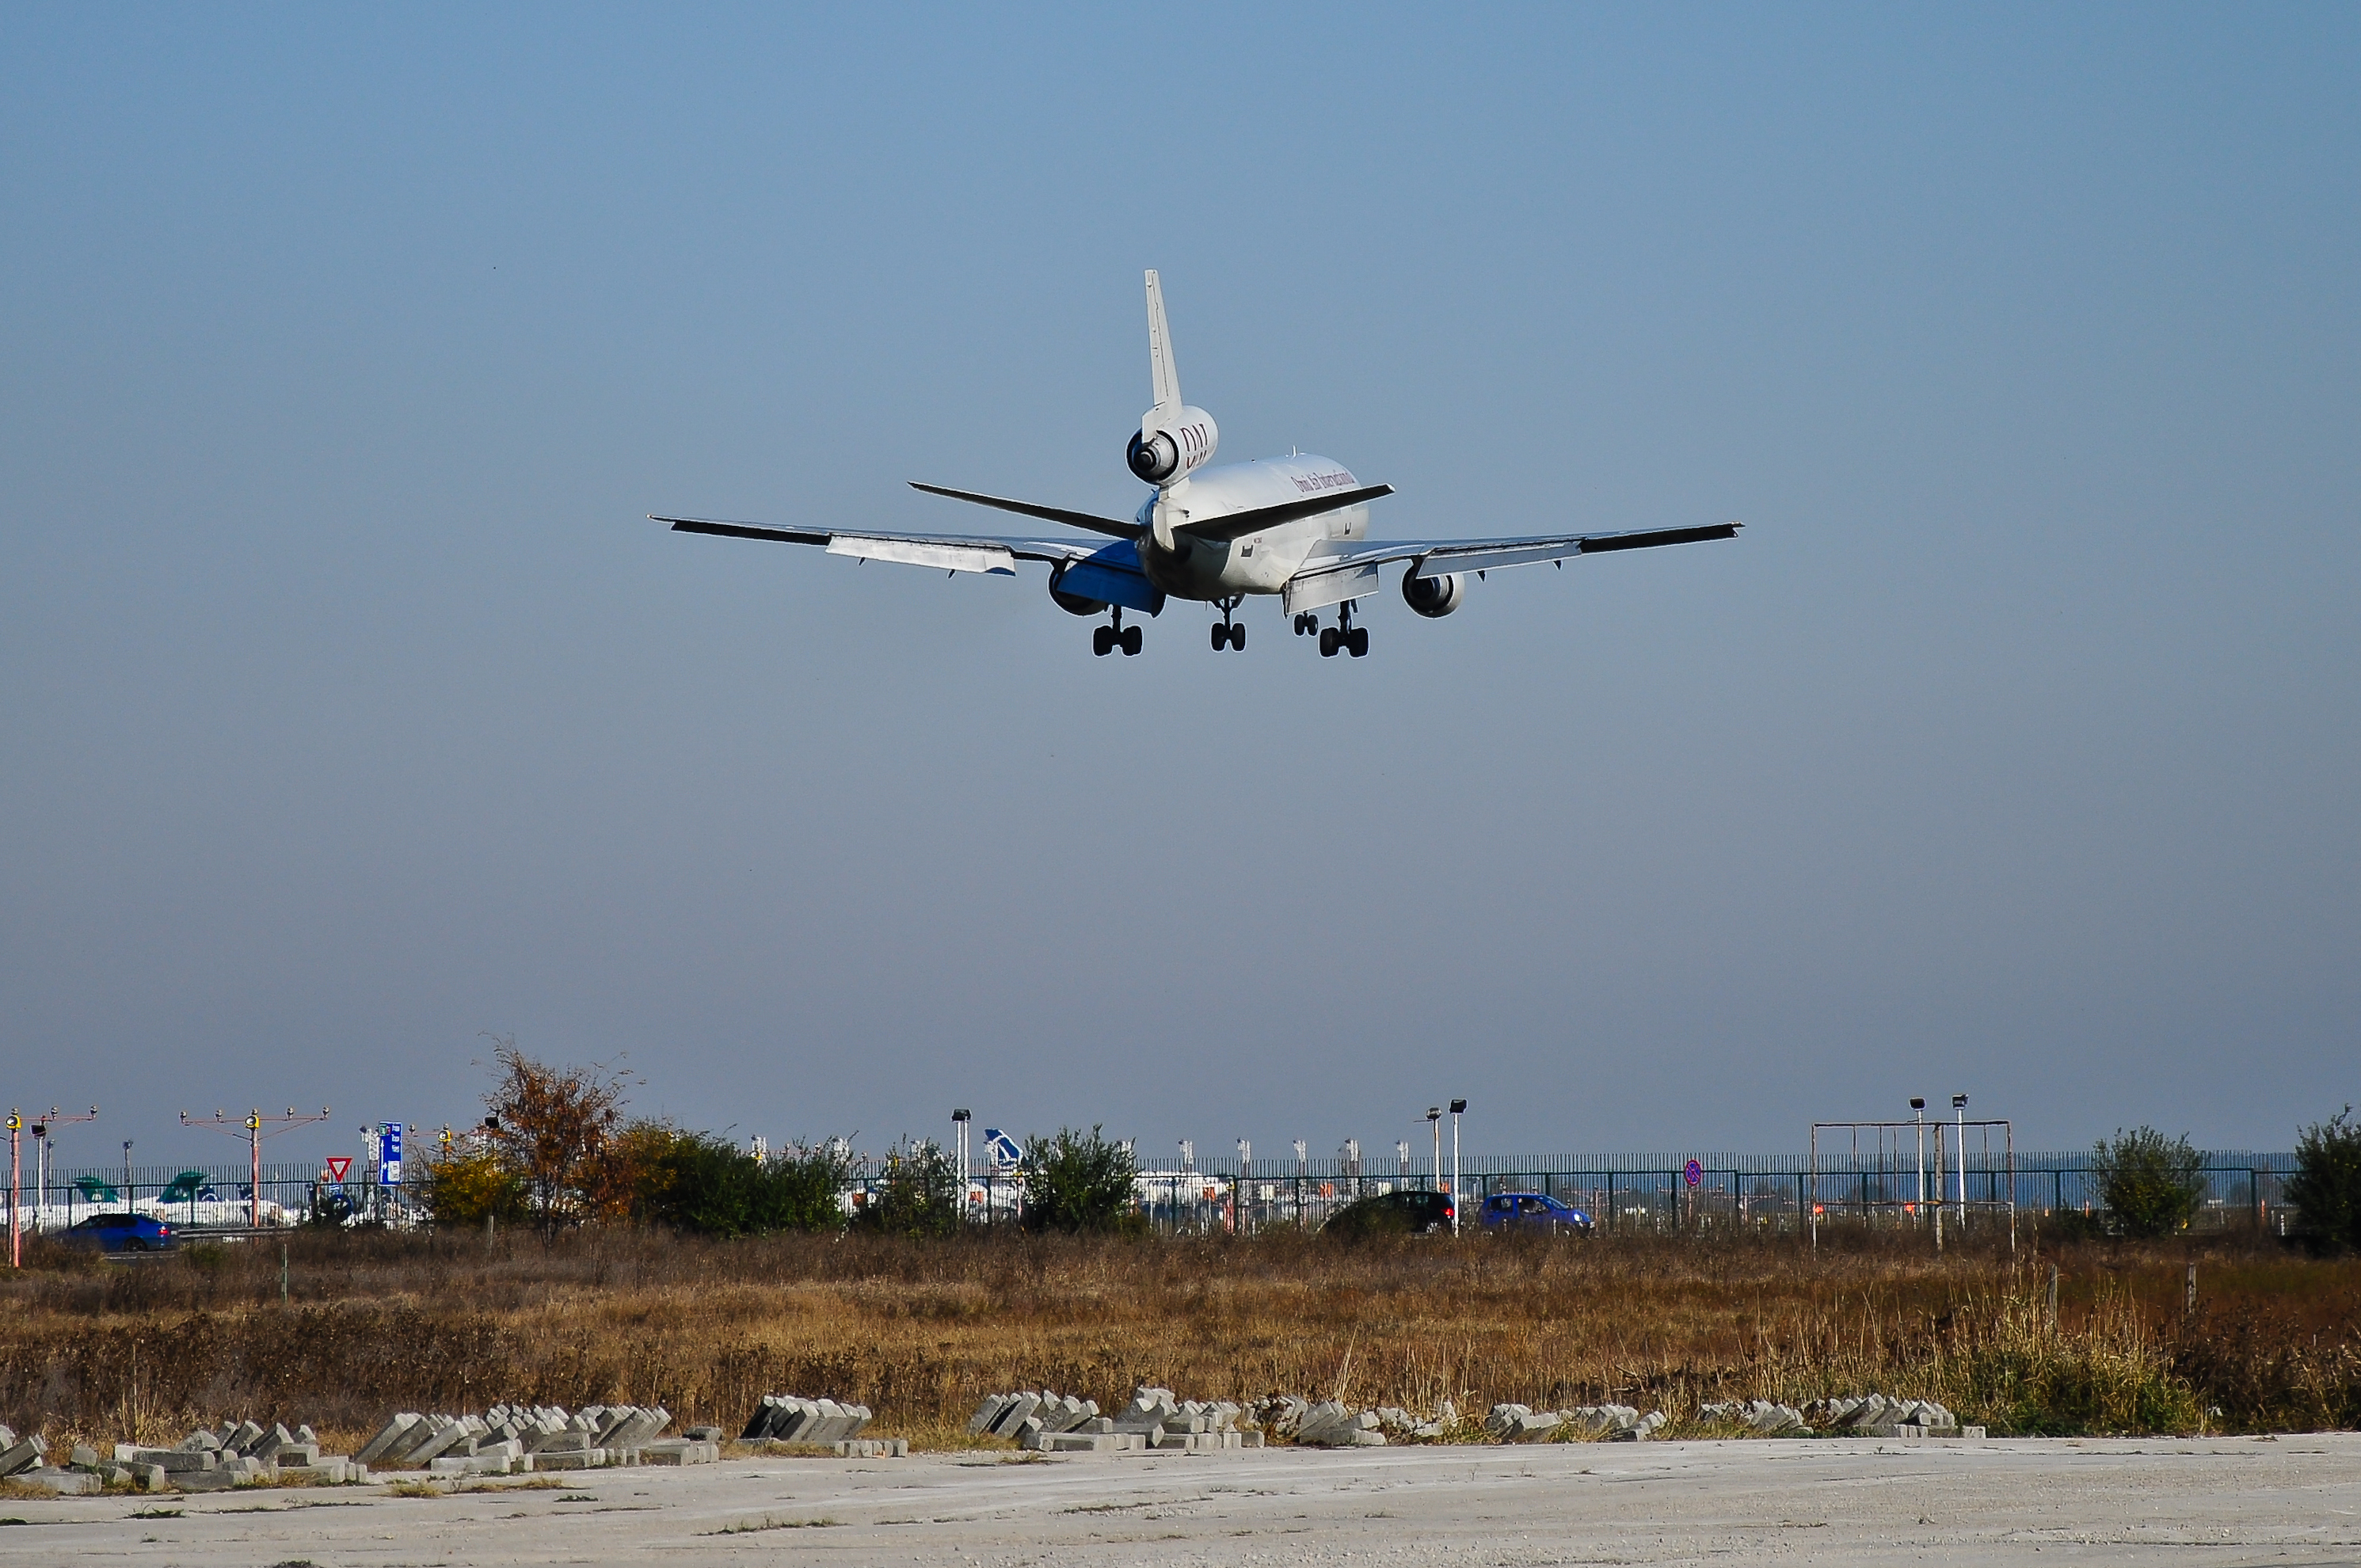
x,y
945,551
1350,571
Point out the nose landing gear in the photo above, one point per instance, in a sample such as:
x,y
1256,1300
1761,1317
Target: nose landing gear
x,y
1229,634
1343,637
1109,638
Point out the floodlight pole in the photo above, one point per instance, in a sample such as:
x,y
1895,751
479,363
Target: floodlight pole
x,y
1959,1109
1918,1117
16,1225
959,1132
1456,1107
1434,1126
252,1123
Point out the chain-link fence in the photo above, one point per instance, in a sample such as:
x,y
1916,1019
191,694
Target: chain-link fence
x,y
1622,1193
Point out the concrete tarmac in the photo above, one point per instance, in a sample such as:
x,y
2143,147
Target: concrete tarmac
x,y
2292,1499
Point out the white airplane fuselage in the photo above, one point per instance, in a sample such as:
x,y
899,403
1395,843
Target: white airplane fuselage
x,y
1260,563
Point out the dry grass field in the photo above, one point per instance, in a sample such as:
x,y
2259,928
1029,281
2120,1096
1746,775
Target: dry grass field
x,y
922,1330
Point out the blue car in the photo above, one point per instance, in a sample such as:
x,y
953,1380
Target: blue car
x,y
121,1233
1532,1212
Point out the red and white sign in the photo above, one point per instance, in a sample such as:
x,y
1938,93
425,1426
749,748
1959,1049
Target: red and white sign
x,y
339,1167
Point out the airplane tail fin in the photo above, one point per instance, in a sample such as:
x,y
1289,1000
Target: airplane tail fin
x,y
1162,375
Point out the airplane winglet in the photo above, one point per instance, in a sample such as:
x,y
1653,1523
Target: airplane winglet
x,y
1163,377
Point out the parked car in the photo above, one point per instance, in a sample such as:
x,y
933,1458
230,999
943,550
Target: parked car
x,y
1394,1213
1532,1212
120,1233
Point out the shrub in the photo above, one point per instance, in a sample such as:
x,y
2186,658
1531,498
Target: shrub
x,y
702,1183
2150,1183
2326,1185
463,1187
557,1133
919,1194
1078,1182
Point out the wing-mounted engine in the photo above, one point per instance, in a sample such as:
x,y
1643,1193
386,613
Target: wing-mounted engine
x,y
1433,597
1165,449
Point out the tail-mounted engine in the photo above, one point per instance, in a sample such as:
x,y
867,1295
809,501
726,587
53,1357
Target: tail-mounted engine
x,y
1179,446
1432,596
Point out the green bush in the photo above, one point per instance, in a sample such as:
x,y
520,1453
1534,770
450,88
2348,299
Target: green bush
x,y
708,1185
2150,1183
2326,1187
1078,1182
918,1195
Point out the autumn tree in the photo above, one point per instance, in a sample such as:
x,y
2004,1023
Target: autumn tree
x,y
558,1131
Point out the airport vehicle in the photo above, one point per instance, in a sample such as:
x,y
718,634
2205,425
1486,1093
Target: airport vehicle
x,y
120,1233
1404,1213
1296,527
1532,1212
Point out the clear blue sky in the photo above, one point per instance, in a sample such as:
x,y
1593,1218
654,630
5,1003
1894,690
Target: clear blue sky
x,y
352,708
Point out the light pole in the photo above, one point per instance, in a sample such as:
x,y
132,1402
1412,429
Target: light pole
x,y
1435,1126
15,1228
1239,1185
126,1173
959,1135
1959,1159
1918,1117
1456,1107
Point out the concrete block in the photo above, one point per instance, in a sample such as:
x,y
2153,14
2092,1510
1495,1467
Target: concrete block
x,y
148,1477
216,1479
241,1438
7,1437
1146,1411
84,1457
200,1440
702,1434
65,1483
1082,1442
442,1438
988,1412
638,1429
570,1459
391,1433
305,1434
23,1455
1975,1434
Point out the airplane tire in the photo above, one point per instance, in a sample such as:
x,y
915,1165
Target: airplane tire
x,y
1359,642
1130,641
1327,641
1102,640
1221,637
1238,638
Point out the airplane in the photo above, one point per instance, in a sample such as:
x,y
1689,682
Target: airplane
x,y
1296,527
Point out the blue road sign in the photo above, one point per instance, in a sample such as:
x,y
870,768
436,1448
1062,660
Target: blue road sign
x,y
1693,1173
388,1153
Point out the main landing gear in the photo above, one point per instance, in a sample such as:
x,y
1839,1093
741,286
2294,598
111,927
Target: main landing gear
x,y
1229,634
1345,635
1109,638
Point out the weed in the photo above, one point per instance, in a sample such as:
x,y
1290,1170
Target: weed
x,y
922,1330
156,1513
751,1526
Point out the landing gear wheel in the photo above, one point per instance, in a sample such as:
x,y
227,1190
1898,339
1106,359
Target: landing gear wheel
x,y
1306,624
1130,641
1327,641
1221,637
1238,638
1358,641
1102,640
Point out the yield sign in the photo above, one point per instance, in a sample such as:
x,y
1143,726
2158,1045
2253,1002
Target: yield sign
x,y
339,1167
